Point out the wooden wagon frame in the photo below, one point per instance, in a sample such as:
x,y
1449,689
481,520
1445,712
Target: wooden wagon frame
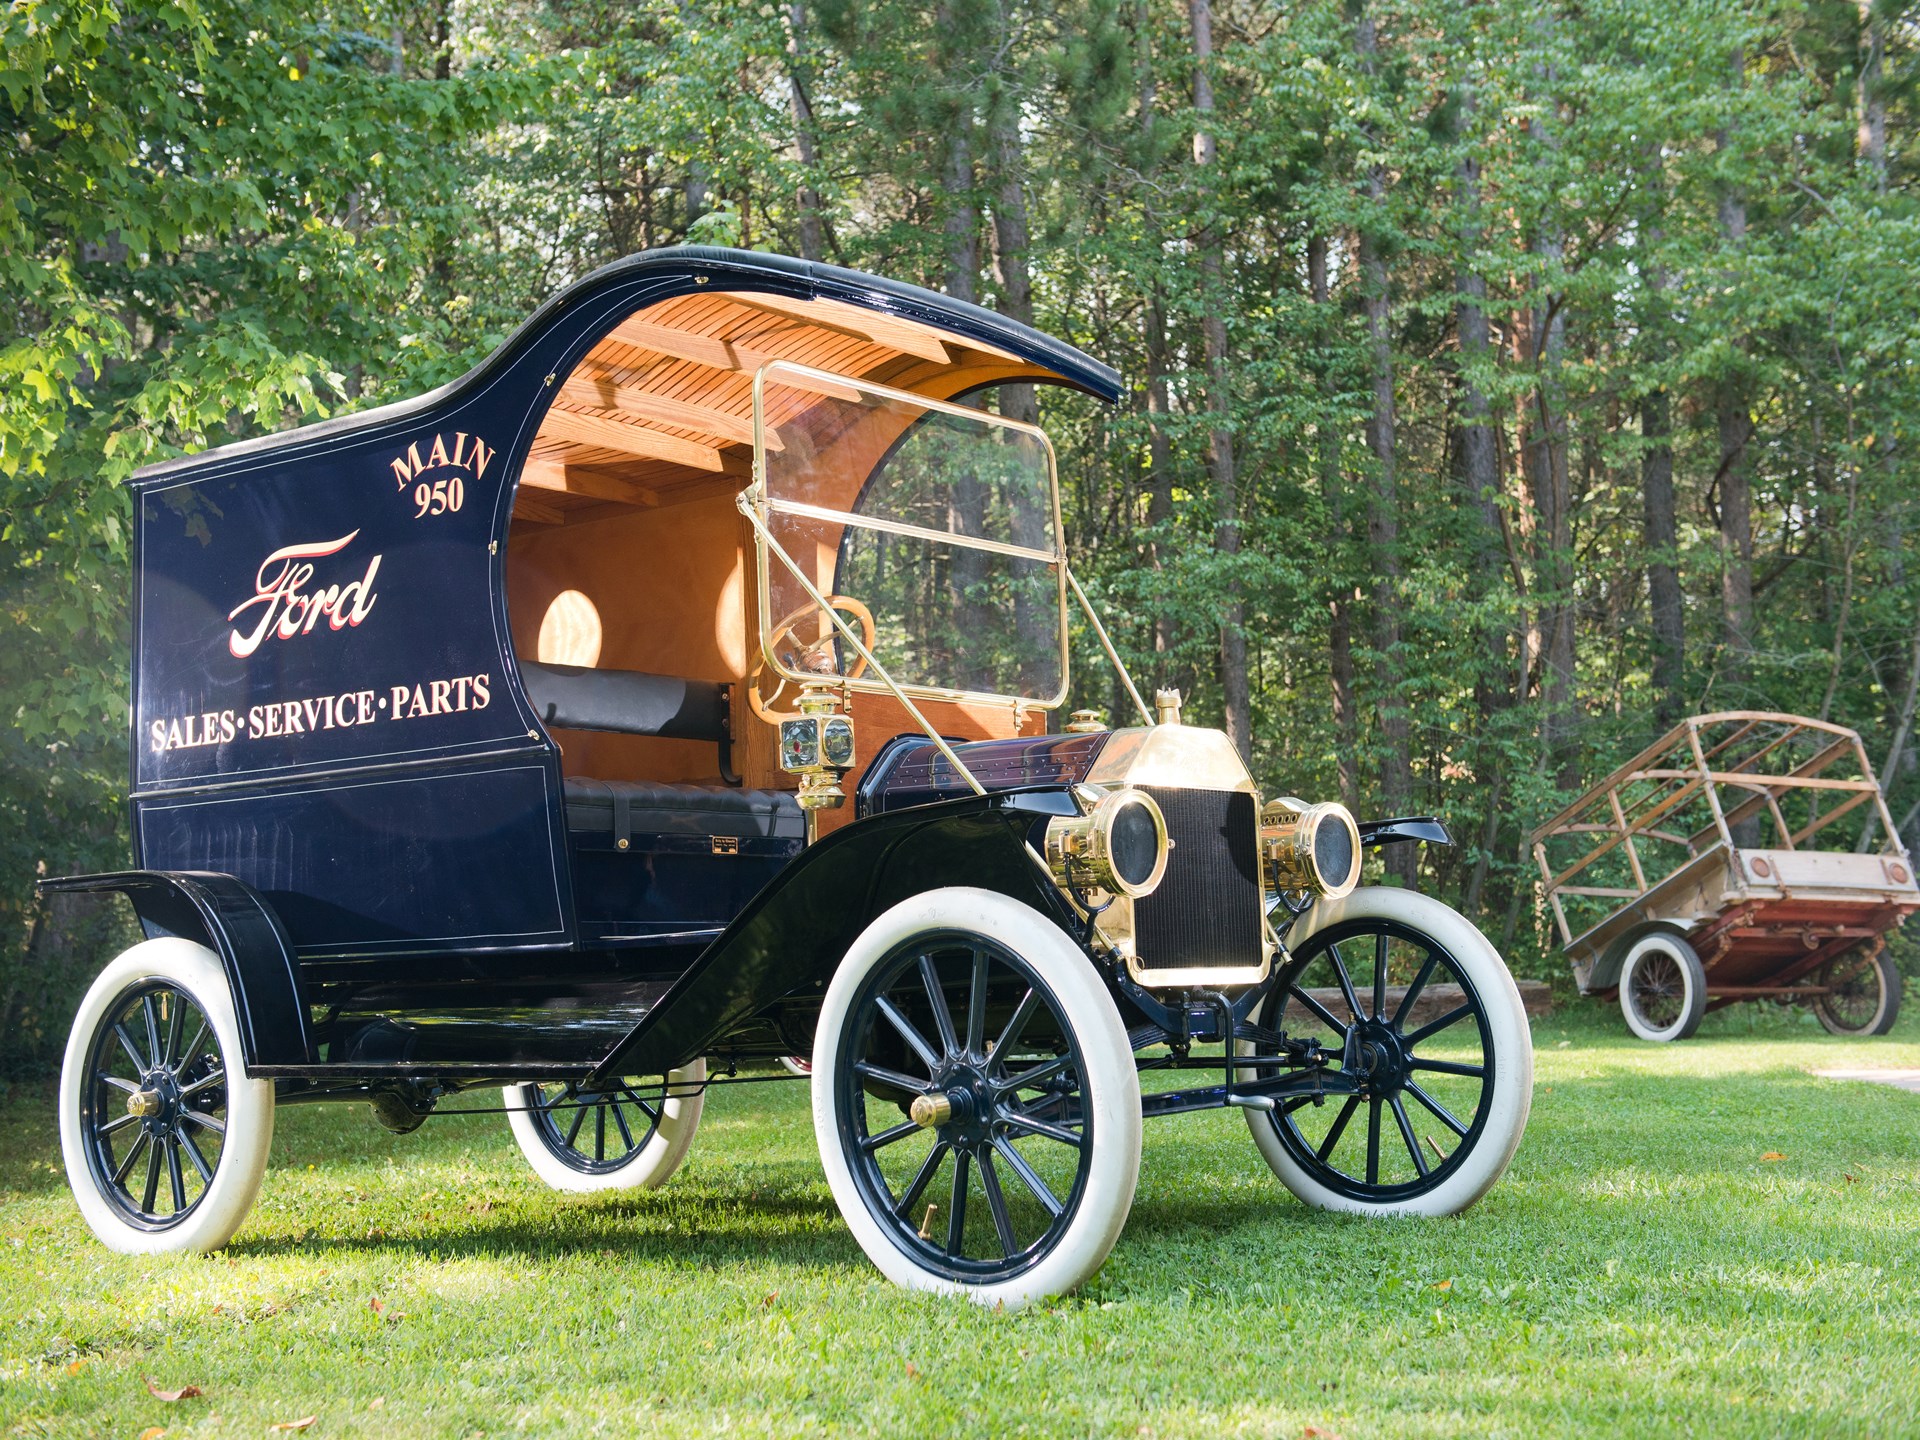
x,y
1657,846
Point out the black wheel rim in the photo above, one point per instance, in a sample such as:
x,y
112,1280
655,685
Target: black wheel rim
x,y
1412,1031
154,1105
990,1191
1658,990
593,1130
1853,1001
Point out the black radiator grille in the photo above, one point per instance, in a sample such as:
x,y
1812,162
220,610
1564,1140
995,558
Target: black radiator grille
x,y
1206,911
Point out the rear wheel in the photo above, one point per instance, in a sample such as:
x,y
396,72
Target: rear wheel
x,y
975,1100
164,1137
621,1135
1433,1037
1663,988
1862,999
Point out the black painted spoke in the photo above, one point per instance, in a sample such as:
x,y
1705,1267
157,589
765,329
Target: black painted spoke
x,y
908,1033
1026,1079
133,1153
1405,1007
1452,1017
176,1023
1339,1127
928,1168
870,1143
119,1124
206,1122
997,1203
937,1001
1444,1115
152,1016
977,1006
151,1196
1380,974
126,1043
957,1215
1028,1176
1346,982
599,1133
192,1047
193,1154
653,1116
1407,1135
175,1179
1017,1022
579,1115
1020,1121
1373,1142
868,1070
1317,1008
205,1082
1297,1102
620,1119
1448,1067
117,1083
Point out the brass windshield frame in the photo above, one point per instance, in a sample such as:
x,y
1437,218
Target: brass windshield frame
x,y
765,507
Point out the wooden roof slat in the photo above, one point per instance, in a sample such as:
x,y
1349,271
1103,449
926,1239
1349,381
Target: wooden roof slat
x,y
902,335
551,475
602,394
538,514
637,440
709,350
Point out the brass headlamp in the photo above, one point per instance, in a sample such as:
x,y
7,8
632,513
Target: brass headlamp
x,y
1311,848
1118,845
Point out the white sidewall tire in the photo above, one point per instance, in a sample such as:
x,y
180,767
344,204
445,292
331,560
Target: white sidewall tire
x,y
1883,1017
1507,1026
1693,978
1112,1089
650,1167
249,1120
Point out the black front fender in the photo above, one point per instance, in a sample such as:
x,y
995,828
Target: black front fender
x,y
229,918
792,935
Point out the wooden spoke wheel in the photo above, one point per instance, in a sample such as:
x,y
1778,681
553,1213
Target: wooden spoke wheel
x,y
165,1139
975,1100
1863,998
622,1135
1663,988
1435,1047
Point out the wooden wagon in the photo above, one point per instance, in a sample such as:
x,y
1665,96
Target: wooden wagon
x,y
1744,855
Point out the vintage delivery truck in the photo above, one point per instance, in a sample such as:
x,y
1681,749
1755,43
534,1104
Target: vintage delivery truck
x,y
681,689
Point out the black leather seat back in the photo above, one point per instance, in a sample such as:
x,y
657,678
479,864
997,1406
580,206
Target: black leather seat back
x,y
627,702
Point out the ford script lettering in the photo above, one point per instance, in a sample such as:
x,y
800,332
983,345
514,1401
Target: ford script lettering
x,y
288,608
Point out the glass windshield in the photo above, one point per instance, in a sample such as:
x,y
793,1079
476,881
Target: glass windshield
x,y
937,521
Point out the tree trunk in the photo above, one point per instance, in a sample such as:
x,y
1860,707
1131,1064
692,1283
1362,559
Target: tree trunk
x,y
1873,104
1383,508
799,99
1735,423
1346,722
1663,577
1220,467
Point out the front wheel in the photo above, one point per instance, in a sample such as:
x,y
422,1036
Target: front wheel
x,y
1861,999
1663,988
164,1137
622,1135
1436,1053
975,1100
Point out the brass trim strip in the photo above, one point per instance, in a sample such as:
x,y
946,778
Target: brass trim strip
x,y
1106,643
917,532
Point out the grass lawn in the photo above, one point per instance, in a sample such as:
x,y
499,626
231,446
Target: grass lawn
x,y
1643,1269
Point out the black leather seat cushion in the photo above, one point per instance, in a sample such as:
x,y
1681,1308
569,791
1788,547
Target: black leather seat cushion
x,y
625,808
627,702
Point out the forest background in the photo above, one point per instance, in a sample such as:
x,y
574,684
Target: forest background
x,y
1504,380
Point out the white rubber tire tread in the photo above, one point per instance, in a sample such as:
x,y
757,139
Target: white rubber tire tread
x,y
1512,1043
1694,975
1111,1082
249,1119
650,1167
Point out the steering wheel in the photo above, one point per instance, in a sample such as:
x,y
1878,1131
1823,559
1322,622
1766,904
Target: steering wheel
x,y
764,708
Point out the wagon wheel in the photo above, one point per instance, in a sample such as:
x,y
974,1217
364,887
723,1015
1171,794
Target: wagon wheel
x,y
1663,988
1863,998
975,1100
1442,1072
165,1138
616,1135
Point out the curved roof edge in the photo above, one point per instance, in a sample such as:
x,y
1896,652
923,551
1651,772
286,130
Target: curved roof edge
x,y
746,270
